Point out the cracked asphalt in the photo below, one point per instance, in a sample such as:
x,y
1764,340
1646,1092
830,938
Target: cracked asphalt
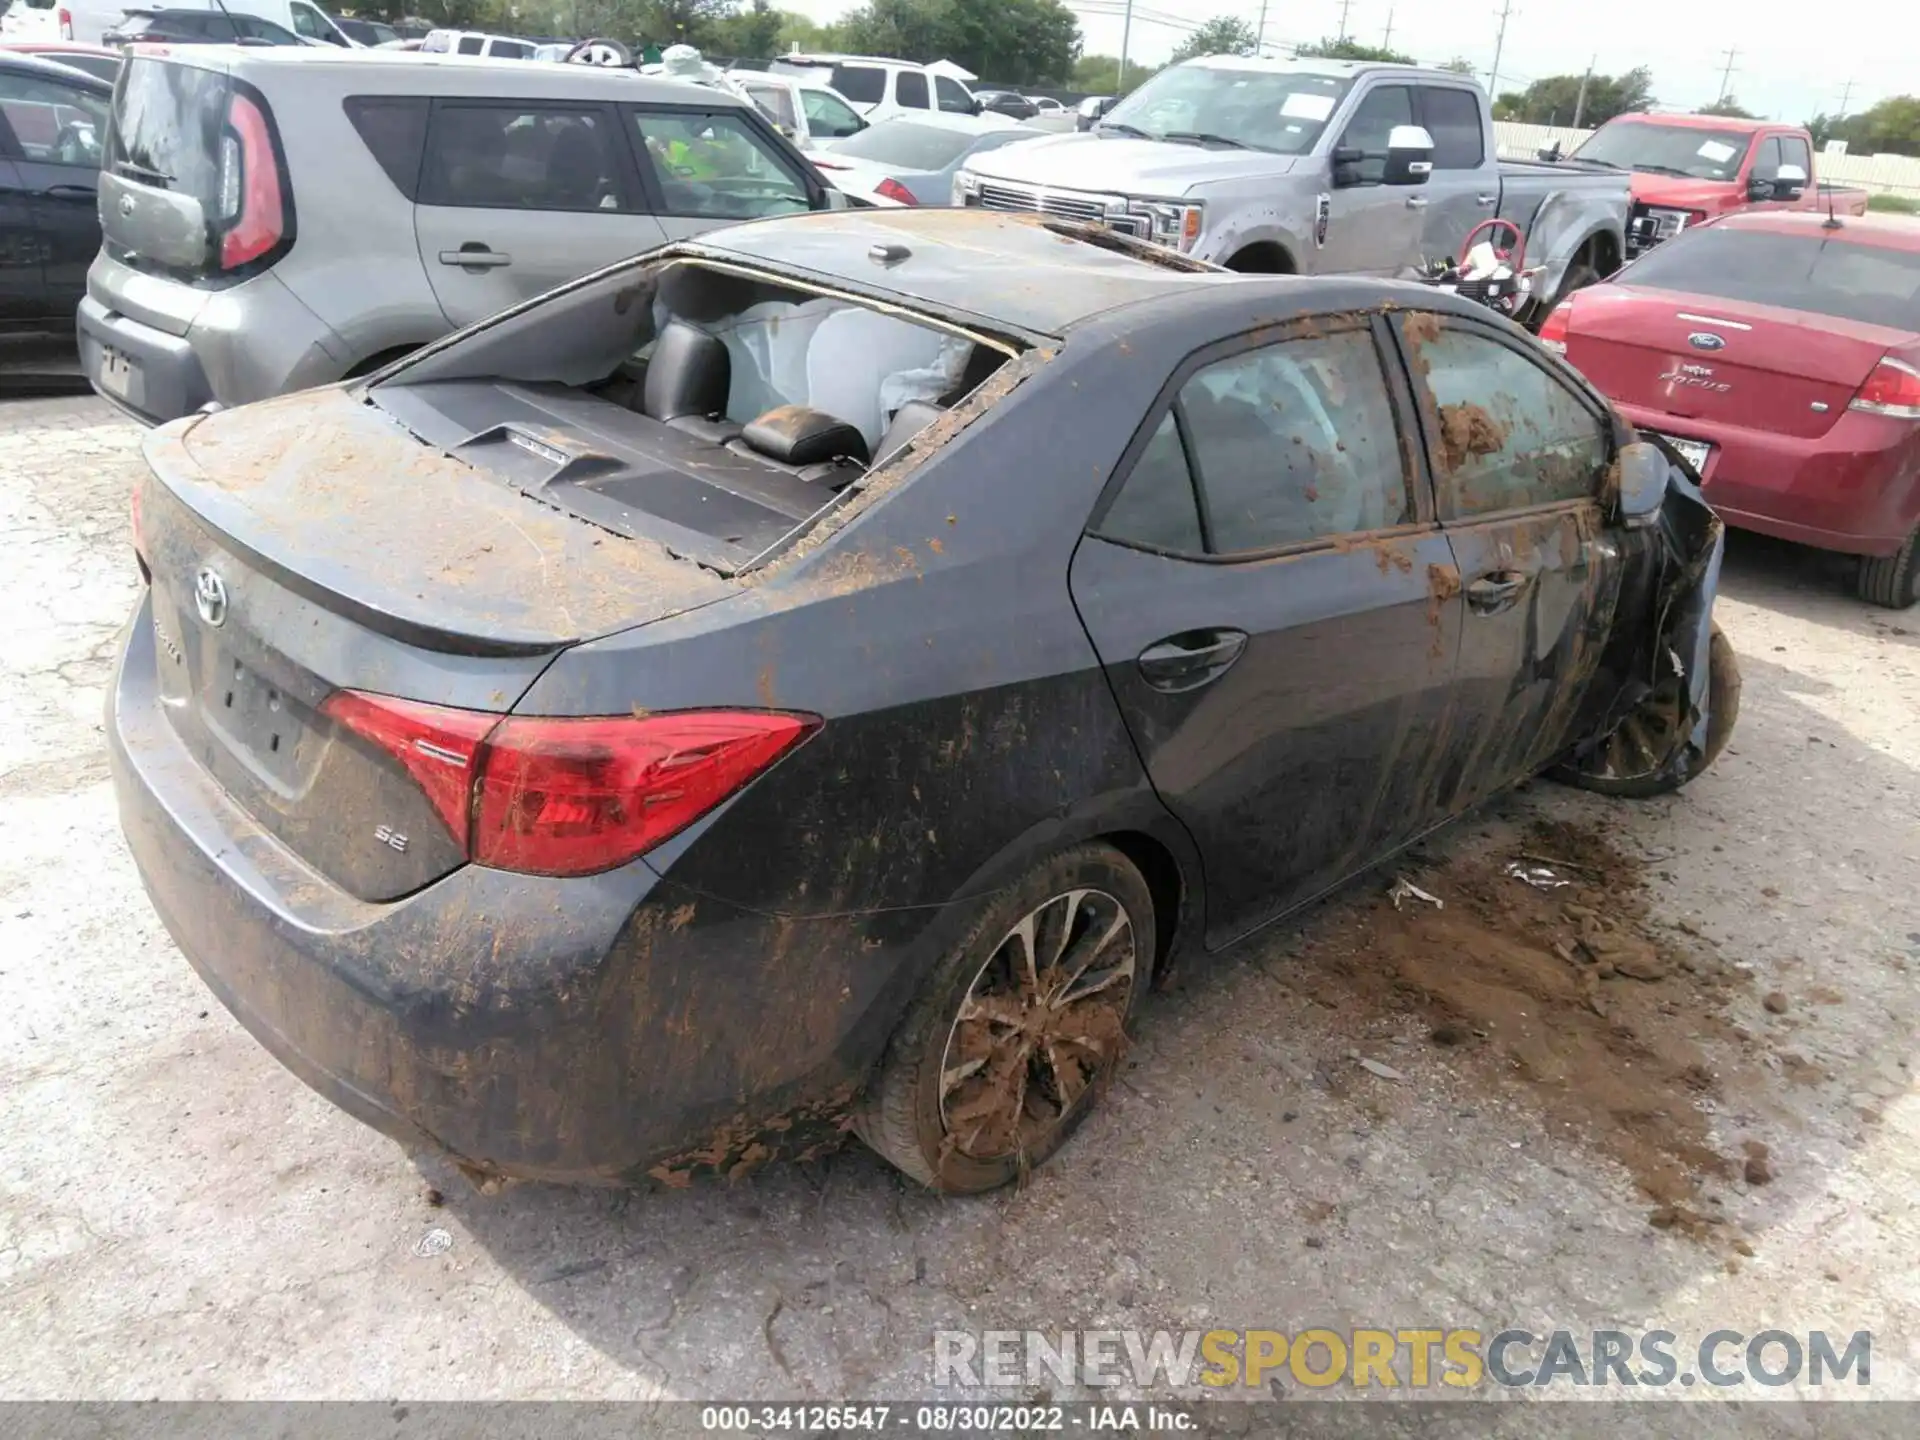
x,y
181,1218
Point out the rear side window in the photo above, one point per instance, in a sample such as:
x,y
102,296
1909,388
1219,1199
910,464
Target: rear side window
x,y
521,157
1453,119
910,90
59,124
394,128
1507,433
166,128
471,44
510,50
717,164
1812,273
862,84
1156,506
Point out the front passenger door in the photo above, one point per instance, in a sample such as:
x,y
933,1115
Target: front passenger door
x,y
1260,585
1519,458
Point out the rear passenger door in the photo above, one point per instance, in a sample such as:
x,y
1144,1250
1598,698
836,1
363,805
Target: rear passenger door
x,y
1464,188
1519,457
703,167
518,196
1269,598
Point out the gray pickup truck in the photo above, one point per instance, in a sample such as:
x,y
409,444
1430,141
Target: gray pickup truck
x,y
1312,167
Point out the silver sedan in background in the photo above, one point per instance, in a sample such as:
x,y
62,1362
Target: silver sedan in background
x,y
911,160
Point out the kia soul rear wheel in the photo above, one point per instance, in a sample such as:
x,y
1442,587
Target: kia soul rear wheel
x,y
1019,1028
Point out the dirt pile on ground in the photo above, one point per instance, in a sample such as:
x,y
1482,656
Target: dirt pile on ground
x,y
1568,990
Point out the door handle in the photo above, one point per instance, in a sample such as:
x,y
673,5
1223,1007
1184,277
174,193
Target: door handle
x,y
1190,659
1487,199
475,256
1416,202
1496,591
77,191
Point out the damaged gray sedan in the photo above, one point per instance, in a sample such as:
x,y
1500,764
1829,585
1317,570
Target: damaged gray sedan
x,y
817,677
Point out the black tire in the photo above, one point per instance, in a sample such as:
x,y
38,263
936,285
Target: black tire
x,y
1892,580
914,1113
1723,712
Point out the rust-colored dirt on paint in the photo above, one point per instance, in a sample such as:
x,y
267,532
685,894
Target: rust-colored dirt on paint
x,y
1467,430
1569,992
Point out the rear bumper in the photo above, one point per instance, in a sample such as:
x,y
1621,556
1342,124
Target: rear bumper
x,y
236,346
1855,489
572,1030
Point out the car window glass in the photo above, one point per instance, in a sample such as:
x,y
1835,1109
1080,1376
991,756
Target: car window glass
x,y
1156,505
776,100
1296,442
1875,284
1766,160
394,128
717,164
513,157
471,44
306,23
1453,119
908,144
218,27
1508,433
1793,151
952,96
1380,110
910,90
60,124
862,84
510,50
827,116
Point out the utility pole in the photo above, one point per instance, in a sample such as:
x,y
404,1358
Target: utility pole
x,y
1845,96
1260,35
1580,101
1499,44
1386,41
1726,75
1345,6
1126,34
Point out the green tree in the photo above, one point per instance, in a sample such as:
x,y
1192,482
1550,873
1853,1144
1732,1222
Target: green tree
x,y
1100,74
1555,100
1222,35
1459,65
1728,107
1017,41
751,32
1329,47
1891,127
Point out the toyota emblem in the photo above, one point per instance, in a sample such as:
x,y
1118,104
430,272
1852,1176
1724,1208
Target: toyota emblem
x,y
1706,340
126,205
210,597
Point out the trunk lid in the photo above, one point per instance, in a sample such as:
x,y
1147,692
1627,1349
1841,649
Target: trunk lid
x,y
309,545
1697,357
161,180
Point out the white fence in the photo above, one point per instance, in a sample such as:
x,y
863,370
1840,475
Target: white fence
x,y
1890,174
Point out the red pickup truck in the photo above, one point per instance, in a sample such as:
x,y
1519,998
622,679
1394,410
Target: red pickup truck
x,y
1690,168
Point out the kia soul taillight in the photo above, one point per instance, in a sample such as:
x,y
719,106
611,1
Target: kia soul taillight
x,y
251,217
563,795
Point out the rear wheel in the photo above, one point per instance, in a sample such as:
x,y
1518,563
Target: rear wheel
x,y
1632,762
1892,580
1019,1028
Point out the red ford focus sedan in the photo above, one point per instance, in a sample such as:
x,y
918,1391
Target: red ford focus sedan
x,y
1779,353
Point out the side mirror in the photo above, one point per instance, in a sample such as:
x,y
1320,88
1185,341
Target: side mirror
x,y
1409,156
1790,183
1643,482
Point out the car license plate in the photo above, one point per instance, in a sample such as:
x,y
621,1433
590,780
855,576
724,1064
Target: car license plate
x,y
1694,452
116,372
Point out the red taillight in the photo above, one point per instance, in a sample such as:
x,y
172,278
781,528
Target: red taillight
x,y
569,796
894,190
66,23
250,202
1555,328
1892,389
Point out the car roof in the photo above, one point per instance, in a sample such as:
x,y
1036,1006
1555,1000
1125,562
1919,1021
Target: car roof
x,y
1320,65
1699,122
20,64
1007,269
441,73
834,57
1888,232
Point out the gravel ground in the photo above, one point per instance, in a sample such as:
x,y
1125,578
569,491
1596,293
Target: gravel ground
x,y
180,1218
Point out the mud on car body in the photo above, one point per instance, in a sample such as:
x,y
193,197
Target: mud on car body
x,y
817,676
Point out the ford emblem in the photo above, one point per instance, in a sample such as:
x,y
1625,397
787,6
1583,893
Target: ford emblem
x,y
1706,340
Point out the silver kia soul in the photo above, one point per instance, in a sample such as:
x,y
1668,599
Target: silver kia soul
x,y
280,218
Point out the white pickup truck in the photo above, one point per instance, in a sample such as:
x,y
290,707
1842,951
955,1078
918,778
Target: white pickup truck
x,y
1312,167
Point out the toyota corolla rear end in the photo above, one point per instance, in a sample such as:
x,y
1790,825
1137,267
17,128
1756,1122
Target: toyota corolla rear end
x,y
1782,357
429,904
